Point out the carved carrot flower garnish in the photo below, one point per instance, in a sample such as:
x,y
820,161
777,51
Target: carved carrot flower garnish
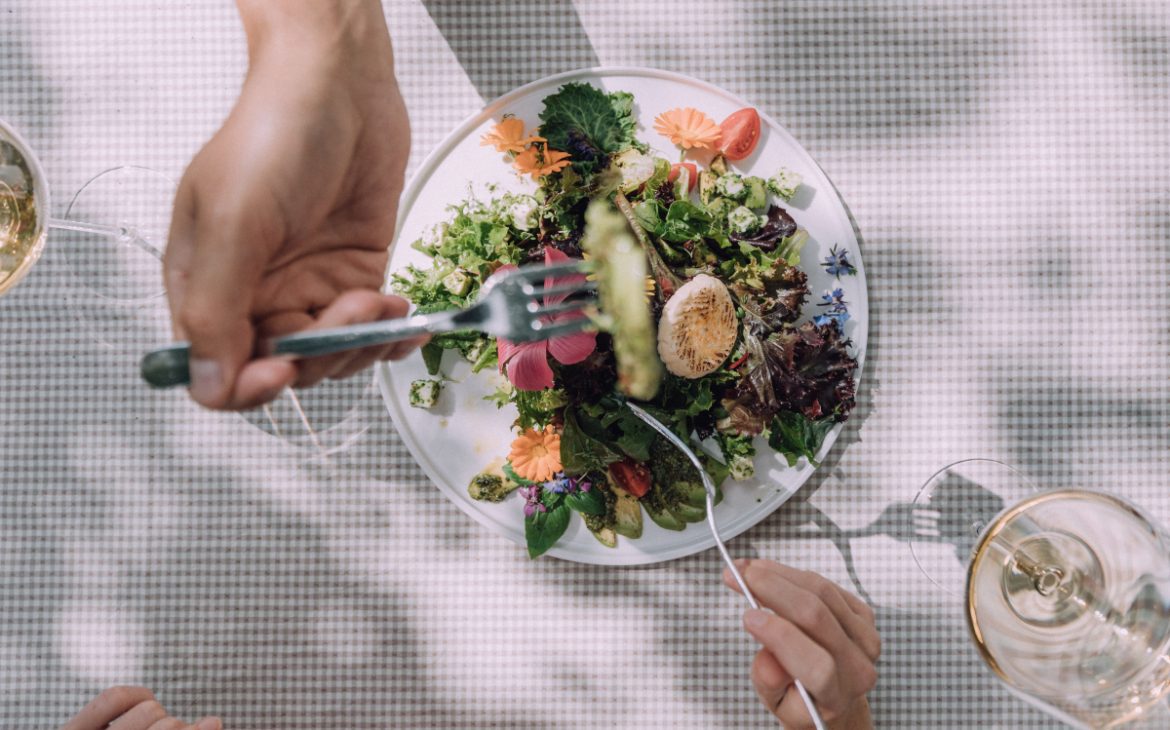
x,y
508,136
536,455
688,128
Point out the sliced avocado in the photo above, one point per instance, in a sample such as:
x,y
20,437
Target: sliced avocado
x,y
693,494
719,165
757,196
662,517
605,535
688,513
707,186
629,517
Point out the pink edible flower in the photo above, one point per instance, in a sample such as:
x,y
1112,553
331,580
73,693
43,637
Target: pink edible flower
x,y
526,363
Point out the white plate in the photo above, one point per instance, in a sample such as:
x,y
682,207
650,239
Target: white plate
x,y
456,439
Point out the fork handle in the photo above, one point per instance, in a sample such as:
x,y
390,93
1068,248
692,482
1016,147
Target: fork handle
x,y
168,367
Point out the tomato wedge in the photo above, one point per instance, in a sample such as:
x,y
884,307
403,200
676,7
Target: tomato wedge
x,y
632,476
691,169
740,133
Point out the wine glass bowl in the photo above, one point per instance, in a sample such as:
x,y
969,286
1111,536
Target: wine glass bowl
x,y
1068,602
24,202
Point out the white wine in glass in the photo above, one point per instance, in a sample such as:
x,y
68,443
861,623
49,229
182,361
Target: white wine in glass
x,y
133,203
1068,602
23,202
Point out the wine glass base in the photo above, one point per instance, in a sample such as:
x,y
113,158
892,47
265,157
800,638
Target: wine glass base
x,y
952,509
323,420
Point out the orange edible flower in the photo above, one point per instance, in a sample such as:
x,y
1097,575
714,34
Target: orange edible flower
x,y
539,161
688,127
536,455
508,136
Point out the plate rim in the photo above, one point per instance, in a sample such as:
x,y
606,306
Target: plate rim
x,y
410,195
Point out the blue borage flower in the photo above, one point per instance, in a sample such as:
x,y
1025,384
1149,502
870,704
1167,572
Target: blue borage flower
x,y
837,263
562,484
836,312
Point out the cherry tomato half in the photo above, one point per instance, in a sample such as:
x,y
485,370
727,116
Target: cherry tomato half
x,y
740,133
691,170
632,476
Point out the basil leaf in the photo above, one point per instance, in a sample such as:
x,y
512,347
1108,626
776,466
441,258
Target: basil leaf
x,y
432,355
794,436
513,476
582,452
590,503
543,529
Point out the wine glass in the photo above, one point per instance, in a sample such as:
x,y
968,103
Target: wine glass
x,y
111,240
1067,592
1068,601
115,224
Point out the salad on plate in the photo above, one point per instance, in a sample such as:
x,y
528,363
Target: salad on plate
x,y
701,317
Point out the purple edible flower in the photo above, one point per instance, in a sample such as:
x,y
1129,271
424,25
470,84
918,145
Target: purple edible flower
x,y
532,503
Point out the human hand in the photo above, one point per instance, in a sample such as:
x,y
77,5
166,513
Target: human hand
x,y
283,220
820,634
132,708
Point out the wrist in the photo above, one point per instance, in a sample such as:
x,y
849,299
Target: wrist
x,y
857,719
320,31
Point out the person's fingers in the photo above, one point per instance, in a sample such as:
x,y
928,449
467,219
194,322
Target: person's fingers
x,y
167,723
393,351
800,656
797,605
209,723
770,680
858,624
260,382
351,307
107,706
140,717
217,261
775,576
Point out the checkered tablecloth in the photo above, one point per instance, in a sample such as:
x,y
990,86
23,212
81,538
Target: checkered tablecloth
x,y
1007,163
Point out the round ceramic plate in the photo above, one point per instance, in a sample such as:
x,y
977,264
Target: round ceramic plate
x,y
463,433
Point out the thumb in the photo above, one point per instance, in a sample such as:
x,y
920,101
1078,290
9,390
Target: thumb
x,y
212,273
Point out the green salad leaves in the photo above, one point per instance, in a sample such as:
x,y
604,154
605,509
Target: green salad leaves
x,y
657,231
589,124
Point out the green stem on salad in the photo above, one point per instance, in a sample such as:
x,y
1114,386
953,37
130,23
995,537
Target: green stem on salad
x,y
667,282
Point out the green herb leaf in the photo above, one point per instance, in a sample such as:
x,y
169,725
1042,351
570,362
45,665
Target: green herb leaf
x,y
636,436
590,503
432,355
582,120
685,221
794,436
581,452
543,529
513,476
536,408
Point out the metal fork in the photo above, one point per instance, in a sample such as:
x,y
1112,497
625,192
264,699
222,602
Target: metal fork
x,y
709,488
507,307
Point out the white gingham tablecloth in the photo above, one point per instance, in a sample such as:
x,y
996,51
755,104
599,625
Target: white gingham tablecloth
x,y
1008,165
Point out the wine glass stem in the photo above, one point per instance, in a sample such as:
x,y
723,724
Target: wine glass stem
x,y
121,233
